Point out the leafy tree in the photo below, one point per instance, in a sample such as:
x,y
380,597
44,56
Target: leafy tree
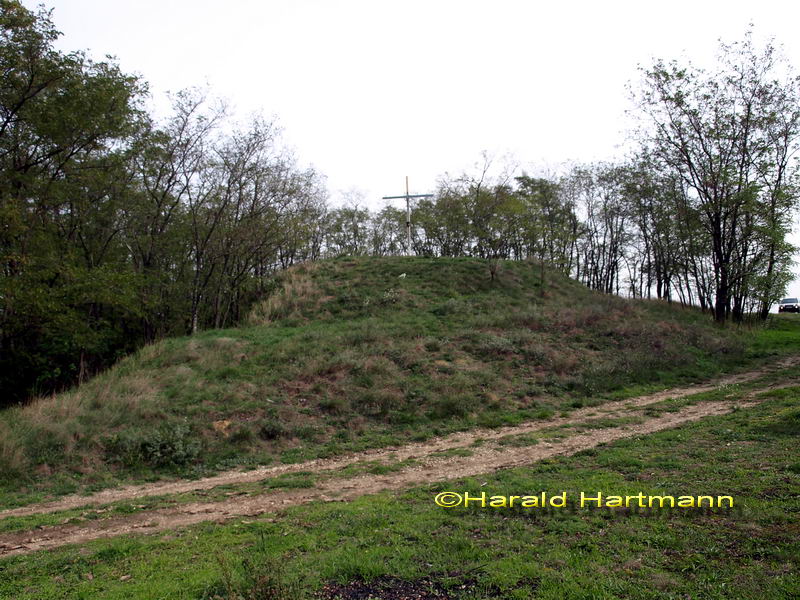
x,y
65,124
116,229
729,136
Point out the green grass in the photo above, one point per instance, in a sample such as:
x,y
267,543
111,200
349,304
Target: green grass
x,y
346,355
779,336
751,552
391,464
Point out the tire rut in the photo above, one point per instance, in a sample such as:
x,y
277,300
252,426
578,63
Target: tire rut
x,y
428,469
397,453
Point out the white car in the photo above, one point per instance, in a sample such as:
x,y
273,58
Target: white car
x,y
789,305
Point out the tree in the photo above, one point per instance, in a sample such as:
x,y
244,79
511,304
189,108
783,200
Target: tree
x,y
66,126
730,136
348,229
549,222
387,232
116,229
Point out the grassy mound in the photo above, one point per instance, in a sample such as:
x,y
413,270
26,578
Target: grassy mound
x,y
355,353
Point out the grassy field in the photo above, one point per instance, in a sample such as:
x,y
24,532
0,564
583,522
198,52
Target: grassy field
x,y
390,544
350,354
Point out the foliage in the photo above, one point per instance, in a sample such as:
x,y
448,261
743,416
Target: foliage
x,y
117,230
728,139
164,446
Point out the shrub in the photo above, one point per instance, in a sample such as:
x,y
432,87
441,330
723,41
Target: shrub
x,y
376,402
308,433
335,405
46,449
495,266
433,345
491,346
492,420
242,435
529,317
448,407
168,445
361,333
271,430
350,300
13,458
390,296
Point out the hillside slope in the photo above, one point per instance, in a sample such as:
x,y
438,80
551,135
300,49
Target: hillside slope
x,y
355,353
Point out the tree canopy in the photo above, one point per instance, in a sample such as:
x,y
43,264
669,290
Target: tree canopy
x,y
117,228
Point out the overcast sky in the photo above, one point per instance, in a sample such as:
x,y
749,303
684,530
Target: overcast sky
x,y
371,91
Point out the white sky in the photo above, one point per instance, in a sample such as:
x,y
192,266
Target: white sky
x,y
369,91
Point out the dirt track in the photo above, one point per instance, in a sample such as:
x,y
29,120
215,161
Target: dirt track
x,y
427,468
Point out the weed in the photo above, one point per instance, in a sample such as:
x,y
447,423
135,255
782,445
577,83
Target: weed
x,y
259,576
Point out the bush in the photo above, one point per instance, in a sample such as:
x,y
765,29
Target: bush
x,y
297,293
448,407
495,267
46,449
433,345
271,430
376,403
242,436
390,296
168,445
492,420
14,462
335,405
308,433
350,300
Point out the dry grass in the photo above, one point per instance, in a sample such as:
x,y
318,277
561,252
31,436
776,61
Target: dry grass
x,y
13,453
298,292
